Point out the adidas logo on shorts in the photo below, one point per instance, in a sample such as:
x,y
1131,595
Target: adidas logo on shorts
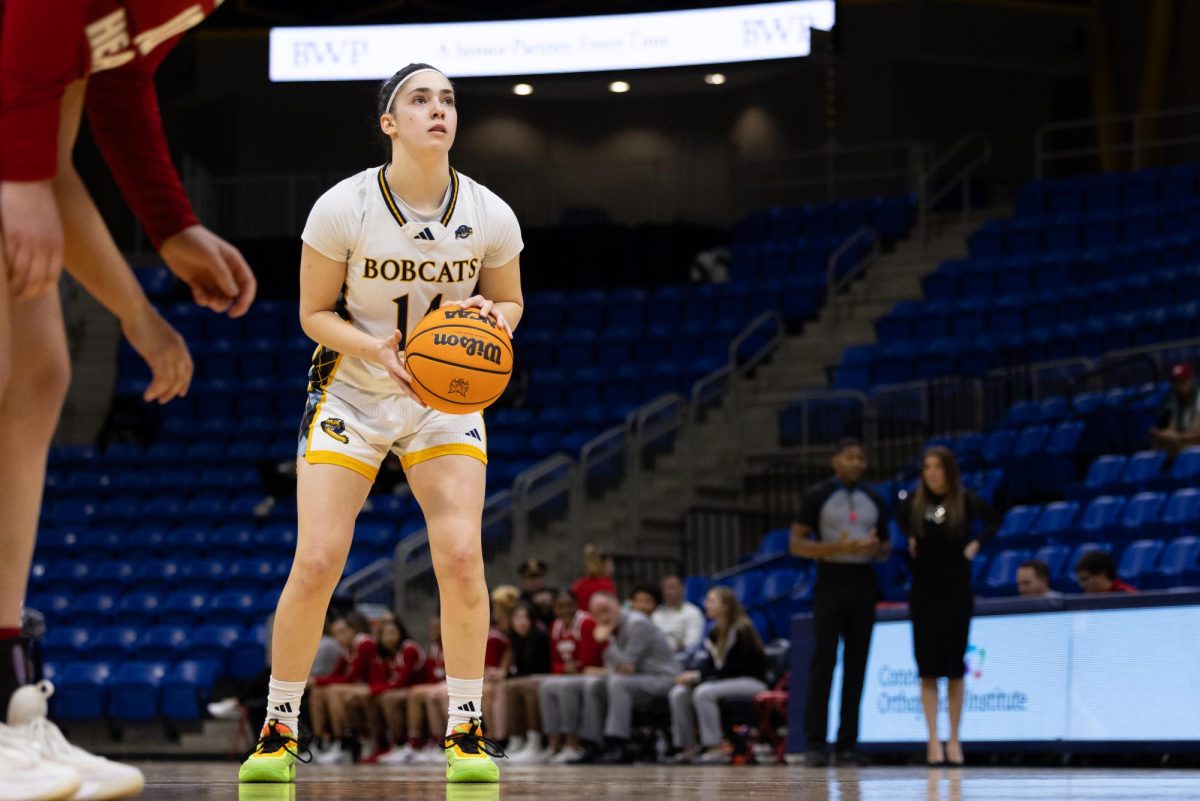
x,y
474,434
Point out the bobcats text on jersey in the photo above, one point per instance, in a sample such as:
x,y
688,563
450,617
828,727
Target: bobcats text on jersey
x,y
409,270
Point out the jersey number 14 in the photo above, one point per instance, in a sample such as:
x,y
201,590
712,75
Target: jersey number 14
x,y
402,315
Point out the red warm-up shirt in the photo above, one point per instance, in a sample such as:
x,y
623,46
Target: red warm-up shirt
x,y
585,586
353,666
575,642
47,44
435,665
497,647
402,669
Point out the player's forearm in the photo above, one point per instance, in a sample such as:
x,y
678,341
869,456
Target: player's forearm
x,y
325,328
511,310
90,254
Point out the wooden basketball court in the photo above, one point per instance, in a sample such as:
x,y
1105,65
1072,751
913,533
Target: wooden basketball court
x,y
213,780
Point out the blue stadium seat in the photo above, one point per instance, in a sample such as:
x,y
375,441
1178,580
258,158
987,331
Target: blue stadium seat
x,y
1054,556
54,605
70,574
248,655
232,540
746,586
1017,530
133,691
208,573
1184,471
1099,517
230,607
162,643
211,643
183,608
80,691
1052,470
998,445
64,644
1103,475
1138,559
186,690
156,575
92,608
774,543
1056,518
138,608
1142,511
1181,515
113,643
695,588
1001,576
1142,469
1178,565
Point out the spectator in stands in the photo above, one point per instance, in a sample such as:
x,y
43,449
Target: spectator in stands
x,y
529,646
1033,580
574,656
357,651
404,709
639,668
682,622
644,598
535,592
597,576
1096,572
1179,417
398,663
940,521
839,527
734,666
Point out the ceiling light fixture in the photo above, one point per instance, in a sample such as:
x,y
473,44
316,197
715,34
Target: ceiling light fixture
x,y
619,87
522,89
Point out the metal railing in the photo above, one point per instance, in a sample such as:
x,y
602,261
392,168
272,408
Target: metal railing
x,y
1079,140
536,487
953,171
838,278
649,426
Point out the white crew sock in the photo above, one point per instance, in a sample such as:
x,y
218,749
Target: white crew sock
x,y
283,703
466,701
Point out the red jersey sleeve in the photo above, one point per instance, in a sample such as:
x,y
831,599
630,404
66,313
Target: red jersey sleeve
x,y
360,664
40,53
123,113
337,675
380,675
588,652
497,646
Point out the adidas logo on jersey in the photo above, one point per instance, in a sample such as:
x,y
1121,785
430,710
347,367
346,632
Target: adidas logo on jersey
x,y
474,434
425,234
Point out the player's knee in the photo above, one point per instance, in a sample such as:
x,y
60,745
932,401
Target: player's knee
x,y
316,569
39,387
462,565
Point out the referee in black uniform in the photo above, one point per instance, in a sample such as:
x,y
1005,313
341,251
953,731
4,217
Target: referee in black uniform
x,y
838,527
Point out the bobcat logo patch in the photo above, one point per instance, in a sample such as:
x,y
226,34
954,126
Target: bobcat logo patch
x,y
462,232
458,386
336,428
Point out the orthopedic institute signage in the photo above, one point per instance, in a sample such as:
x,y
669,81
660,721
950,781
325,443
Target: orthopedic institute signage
x,y
757,32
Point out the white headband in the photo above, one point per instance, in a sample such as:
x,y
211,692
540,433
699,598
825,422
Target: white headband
x,y
392,96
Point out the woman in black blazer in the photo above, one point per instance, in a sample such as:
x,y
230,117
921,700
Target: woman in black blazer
x,y
946,526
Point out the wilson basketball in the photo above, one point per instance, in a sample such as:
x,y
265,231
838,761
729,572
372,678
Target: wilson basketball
x,y
460,361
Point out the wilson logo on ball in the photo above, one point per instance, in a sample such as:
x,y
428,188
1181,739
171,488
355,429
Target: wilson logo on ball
x,y
459,386
488,351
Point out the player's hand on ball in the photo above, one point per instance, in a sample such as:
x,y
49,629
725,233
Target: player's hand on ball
x,y
33,237
486,308
392,360
163,350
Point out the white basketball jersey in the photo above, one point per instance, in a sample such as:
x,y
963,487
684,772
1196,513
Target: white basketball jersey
x,y
399,269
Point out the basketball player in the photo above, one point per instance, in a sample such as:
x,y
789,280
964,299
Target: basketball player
x,y
381,249
55,57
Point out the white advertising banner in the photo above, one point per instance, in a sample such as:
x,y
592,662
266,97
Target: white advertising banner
x,y
1095,675
542,46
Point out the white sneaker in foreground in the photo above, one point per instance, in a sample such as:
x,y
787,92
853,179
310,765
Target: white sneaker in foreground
x,y
567,755
101,779
334,755
228,709
25,776
398,756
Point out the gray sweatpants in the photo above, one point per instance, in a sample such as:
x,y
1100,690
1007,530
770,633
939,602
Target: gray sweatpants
x,y
705,699
621,694
560,699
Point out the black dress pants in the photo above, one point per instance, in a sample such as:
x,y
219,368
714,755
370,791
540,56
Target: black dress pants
x,y
843,609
